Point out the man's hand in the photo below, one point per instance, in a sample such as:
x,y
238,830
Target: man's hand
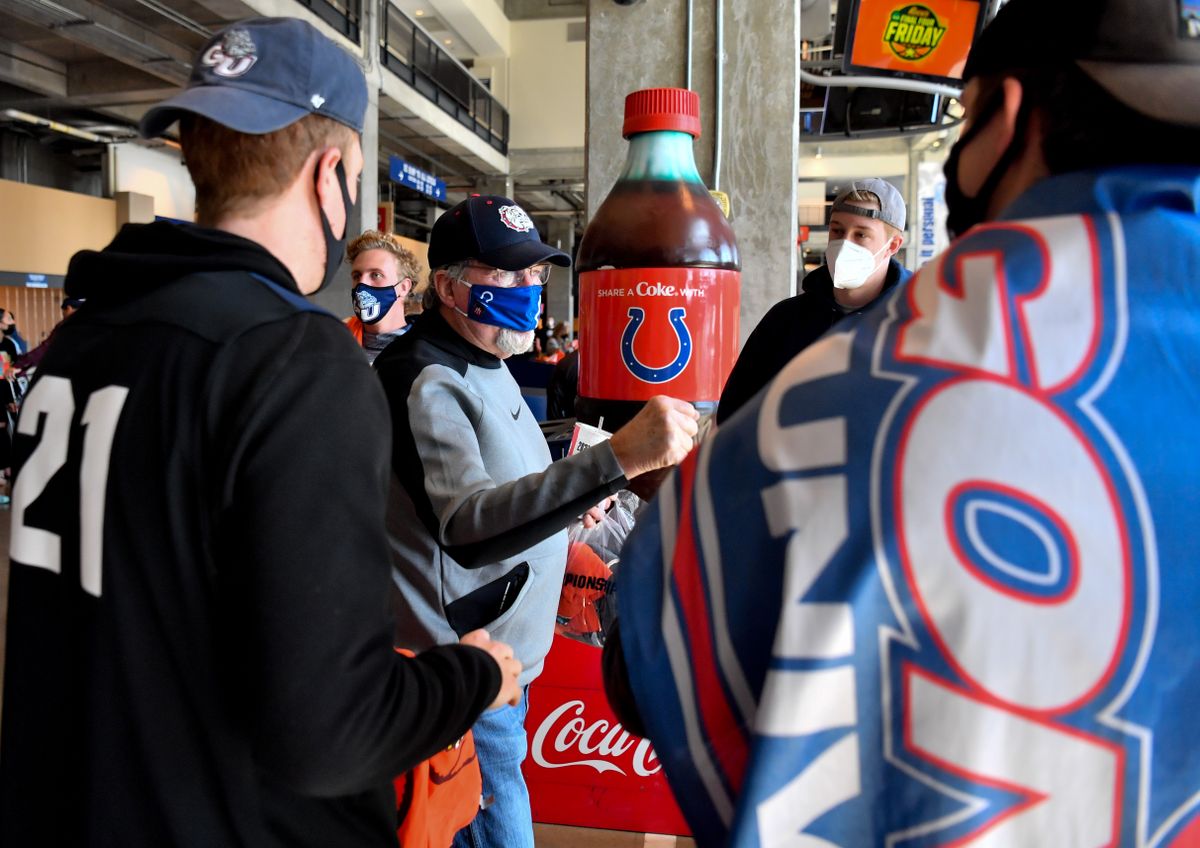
x,y
510,666
595,515
659,436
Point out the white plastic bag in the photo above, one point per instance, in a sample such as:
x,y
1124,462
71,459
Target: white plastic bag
x,y
587,606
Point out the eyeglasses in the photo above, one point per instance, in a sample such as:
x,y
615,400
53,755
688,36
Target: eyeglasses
x,y
507,279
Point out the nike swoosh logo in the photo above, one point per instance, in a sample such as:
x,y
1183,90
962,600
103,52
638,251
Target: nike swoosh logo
x,y
516,413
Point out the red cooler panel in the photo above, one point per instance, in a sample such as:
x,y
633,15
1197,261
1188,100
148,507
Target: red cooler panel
x,y
583,769
657,331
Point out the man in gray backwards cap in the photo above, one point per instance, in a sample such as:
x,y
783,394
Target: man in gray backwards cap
x,y
866,229
198,649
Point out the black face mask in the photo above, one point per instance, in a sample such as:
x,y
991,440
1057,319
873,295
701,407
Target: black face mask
x,y
965,212
11,331
335,247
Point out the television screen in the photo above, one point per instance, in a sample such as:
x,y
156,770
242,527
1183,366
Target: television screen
x,y
1189,18
851,111
926,40
841,27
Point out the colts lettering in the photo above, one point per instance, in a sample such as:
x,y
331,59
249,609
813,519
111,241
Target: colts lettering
x,y
983,441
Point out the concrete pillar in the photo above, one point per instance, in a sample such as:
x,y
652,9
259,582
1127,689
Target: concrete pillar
x,y
134,208
760,121
560,234
336,296
912,202
368,208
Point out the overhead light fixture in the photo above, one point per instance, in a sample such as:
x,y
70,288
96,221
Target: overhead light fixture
x,y
448,42
819,154
420,13
936,145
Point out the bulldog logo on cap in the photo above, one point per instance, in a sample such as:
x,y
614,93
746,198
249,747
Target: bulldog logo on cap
x,y
516,218
233,55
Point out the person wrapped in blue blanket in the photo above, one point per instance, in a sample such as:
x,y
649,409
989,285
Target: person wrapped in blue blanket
x,y
937,583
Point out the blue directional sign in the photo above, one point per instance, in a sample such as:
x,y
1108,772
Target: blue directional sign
x,y
405,174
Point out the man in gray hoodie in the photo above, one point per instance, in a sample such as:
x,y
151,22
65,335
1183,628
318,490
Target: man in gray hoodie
x,y
478,513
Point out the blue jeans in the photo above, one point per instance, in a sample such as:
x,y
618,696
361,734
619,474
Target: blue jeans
x,y
500,744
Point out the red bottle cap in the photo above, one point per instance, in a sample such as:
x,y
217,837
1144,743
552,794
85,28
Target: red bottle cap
x,y
662,109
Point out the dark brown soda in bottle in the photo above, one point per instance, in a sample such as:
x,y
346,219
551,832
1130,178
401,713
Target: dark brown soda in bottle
x,y
660,277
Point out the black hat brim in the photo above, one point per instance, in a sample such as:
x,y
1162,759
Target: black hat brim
x,y
1167,92
236,108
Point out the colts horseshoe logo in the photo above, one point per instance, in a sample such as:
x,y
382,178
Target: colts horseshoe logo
x,y
665,373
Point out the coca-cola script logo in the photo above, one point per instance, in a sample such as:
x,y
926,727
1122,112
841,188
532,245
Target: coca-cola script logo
x,y
569,733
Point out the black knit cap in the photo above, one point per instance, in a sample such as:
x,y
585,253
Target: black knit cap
x,y
1145,53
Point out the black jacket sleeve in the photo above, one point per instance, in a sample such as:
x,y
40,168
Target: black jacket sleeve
x,y
756,364
301,429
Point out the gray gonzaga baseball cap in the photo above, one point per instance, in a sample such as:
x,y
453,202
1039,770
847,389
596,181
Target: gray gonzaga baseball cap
x,y
261,75
891,205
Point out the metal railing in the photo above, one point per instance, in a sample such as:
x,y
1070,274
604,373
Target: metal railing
x,y
343,15
415,57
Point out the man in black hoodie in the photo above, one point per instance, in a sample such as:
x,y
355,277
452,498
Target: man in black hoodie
x,y
866,229
199,650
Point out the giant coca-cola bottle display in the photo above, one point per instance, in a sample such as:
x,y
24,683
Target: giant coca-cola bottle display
x,y
659,282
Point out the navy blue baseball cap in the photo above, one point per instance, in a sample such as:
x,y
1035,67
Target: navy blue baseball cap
x,y
261,75
493,230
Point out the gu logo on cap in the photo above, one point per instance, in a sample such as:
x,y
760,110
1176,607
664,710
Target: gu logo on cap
x,y
516,218
233,55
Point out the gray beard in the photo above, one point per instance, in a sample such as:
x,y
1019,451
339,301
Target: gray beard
x,y
513,342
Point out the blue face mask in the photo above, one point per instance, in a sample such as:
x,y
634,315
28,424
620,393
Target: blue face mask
x,y
511,308
371,303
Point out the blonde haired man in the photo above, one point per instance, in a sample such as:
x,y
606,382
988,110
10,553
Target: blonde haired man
x,y
383,272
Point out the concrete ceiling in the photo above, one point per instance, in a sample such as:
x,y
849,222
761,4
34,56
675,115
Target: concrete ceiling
x,y
76,60
532,10
97,66
451,40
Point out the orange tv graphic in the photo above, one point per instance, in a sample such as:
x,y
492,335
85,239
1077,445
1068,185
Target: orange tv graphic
x,y
926,39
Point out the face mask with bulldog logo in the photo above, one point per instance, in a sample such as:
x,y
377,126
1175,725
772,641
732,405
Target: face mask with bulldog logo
x,y
371,303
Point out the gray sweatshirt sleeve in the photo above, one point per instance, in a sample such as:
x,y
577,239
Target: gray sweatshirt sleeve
x,y
485,507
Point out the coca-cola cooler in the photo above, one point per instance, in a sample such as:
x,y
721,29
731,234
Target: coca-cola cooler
x,y
583,768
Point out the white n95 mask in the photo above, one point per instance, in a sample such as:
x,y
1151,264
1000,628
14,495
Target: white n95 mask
x,y
850,264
